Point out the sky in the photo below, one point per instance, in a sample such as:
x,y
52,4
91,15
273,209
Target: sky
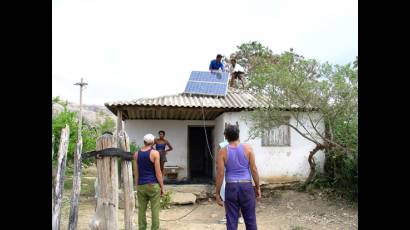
x,y
127,50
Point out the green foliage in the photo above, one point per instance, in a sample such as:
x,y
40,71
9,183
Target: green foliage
x,y
89,132
341,169
165,201
341,175
291,81
134,147
58,123
248,54
329,95
87,185
108,125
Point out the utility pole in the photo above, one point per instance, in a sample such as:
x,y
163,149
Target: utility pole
x,y
73,218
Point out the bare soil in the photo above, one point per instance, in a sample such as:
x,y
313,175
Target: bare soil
x,y
281,209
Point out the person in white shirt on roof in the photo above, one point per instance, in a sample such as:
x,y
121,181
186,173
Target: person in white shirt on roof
x,y
237,72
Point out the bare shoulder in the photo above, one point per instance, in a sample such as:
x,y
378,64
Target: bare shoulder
x,y
247,147
222,152
154,152
248,150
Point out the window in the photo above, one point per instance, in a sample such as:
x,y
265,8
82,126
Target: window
x,y
278,136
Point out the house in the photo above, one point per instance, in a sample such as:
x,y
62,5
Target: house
x,y
192,121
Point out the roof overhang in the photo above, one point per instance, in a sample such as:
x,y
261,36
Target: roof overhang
x,y
169,112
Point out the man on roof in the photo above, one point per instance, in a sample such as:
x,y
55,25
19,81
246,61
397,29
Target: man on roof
x,y
237,72
216,64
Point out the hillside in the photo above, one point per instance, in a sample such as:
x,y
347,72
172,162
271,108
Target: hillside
x,y
91,113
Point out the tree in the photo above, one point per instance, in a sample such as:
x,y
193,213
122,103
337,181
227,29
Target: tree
x,y
249,54
108,125
312,93
90,132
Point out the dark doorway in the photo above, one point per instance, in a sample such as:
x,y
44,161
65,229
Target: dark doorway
x,y
200,160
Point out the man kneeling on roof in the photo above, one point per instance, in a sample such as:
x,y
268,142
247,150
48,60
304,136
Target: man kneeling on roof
x,y
237,72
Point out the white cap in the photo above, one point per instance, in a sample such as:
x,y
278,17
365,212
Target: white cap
x,y
149,138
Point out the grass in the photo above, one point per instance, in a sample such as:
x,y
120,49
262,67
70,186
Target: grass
x,y
87,186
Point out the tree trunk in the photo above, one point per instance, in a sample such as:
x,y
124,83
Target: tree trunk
x,y
312,163
59,178
106,214
128,185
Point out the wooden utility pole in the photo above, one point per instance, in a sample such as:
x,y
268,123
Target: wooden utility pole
x,y
73,218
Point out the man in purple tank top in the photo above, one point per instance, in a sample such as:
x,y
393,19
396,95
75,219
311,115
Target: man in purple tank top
x,y
238,162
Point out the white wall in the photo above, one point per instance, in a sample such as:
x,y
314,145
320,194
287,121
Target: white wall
x,y
274,164
278,163
218,135
176,132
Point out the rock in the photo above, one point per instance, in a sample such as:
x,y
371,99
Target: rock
x,y
183,198
56,109
94,114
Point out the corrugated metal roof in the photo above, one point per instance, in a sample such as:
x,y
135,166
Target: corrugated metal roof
x,y
233,100
187,107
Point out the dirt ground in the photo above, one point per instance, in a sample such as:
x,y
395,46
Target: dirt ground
x,y
283,209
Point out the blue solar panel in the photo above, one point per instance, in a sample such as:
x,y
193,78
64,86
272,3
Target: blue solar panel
x,y
221,77
207,83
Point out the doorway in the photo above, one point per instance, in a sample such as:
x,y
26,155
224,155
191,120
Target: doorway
x,y
200,161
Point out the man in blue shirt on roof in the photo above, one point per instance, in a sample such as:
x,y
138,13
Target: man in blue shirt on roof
x,y
216,64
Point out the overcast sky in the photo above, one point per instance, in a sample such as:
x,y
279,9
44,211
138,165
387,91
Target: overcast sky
x,y
131,49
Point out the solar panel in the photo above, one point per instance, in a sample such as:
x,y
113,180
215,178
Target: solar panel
x,y
207,83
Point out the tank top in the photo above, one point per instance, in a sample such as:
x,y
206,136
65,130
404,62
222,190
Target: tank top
x,y
160,146
146,169
237,165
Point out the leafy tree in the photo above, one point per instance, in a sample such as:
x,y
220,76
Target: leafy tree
x,y
107,125
249,54
89,132
312,93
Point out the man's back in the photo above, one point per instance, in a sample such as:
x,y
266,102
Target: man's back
x,y
146,169
237,164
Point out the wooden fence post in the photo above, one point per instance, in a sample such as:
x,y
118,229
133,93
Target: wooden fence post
x,y
106,214
128,185
59,179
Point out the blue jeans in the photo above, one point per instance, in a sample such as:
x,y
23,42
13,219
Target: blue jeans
x,y
240,196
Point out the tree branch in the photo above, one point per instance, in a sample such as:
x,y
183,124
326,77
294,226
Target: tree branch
x,y
314,127
303,135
